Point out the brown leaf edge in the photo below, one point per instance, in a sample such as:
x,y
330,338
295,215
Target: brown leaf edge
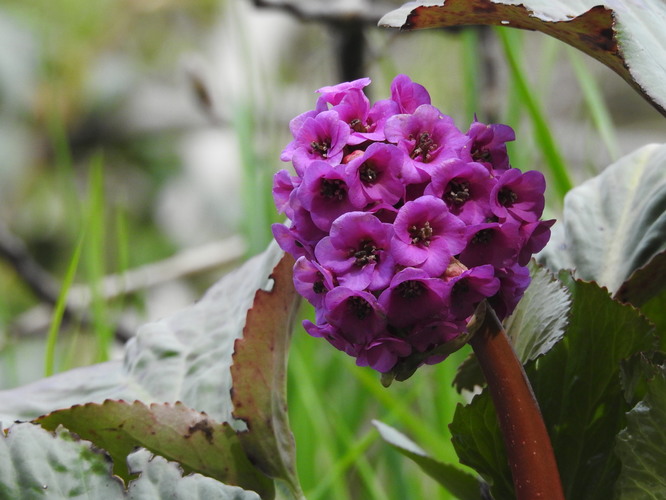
x,y
172,430
258,373
593,31
645,282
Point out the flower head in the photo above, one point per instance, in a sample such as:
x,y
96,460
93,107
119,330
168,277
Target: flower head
x,y
401,224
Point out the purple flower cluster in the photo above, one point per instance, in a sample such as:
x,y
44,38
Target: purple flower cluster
x,y
401,223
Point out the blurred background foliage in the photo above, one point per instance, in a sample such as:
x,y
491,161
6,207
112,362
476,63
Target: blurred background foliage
x,y
138,139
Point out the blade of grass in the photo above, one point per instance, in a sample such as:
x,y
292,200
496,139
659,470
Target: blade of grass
x,y
403,409
470,71
95,258
551,154
59,309
595,103
311,404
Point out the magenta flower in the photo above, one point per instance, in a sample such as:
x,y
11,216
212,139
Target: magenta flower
x,y
464,187
413,296
518,195
535,235
374,176
357,251
365,123
427,136
334,94
407,94
283,186
487,145
383,353
312,281
427,235
331,333
491,243
433,333
514,281
466,290
324,192
357,315
321,137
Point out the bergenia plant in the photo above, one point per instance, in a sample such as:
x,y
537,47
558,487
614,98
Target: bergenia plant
x,y
411,236
403,224
403,227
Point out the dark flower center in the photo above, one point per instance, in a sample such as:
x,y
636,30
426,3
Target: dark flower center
x,y
483,237
366,254
506,197
321,148
424,145
421,235
481,155
357,126
368,174
457,192
359,307
460,287
318,287
333,189
410,289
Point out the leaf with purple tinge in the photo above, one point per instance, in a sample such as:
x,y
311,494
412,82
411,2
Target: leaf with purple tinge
x,y
628,37
36,463
259,374
174,431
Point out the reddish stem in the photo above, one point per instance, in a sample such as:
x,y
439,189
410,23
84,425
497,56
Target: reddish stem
x,y
529,451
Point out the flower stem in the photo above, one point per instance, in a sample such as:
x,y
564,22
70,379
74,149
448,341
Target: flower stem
x,y
529,451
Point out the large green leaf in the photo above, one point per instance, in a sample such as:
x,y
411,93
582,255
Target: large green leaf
x,y
459,483
615,223
537,323
162,479
38,464
196,442
628,37
185,357
642,445
577,385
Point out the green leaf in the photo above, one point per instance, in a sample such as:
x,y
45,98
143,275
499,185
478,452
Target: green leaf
x,y
187,357
642,445
198,443
459,483
645,283
162,479
655,311
478,442
35,463
184,357
577,384
535,326
541,316
614,223
259,374
628,37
